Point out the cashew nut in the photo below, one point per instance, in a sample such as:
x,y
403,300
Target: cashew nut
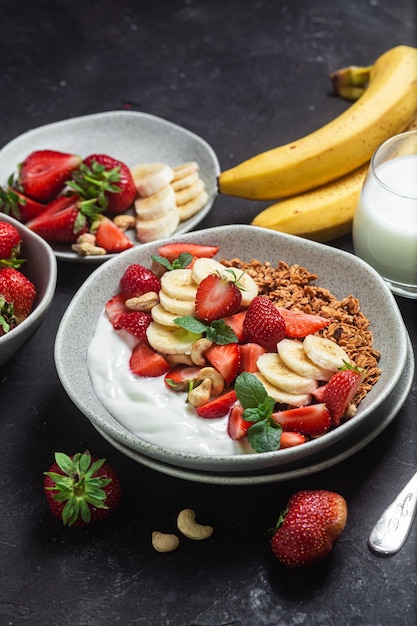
x,y
201,394
182,359
125,222
188,526
197,350
163,542
216,378
144,303
87,249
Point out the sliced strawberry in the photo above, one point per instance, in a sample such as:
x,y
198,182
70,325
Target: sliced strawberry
x,y
180,377
340,390
13,202
138,280
299,324
115,307
290,439
135,323
219,406
263,323
216,297
62,226
313,419
43,173
235,322
113,182
225,359
110,237
237,427
318,393
249,355
172,251
146,362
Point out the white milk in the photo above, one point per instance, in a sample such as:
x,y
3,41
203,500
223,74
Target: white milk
x,y
385,223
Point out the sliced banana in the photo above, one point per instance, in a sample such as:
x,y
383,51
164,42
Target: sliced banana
x,y
189,193
281,396
186,181
203,267
294,356
185,169
179,284
151,177
192,207
151,230
170,340
162,316
156,205
175,305
273,368
325,353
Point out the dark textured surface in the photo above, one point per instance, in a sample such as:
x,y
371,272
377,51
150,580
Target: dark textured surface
x,y
245,76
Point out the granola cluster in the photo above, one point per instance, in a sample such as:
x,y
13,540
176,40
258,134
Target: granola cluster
x,y
290,286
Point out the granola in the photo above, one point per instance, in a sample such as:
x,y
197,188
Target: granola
x,y
290,286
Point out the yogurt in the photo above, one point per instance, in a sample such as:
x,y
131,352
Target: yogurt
x,y
146,407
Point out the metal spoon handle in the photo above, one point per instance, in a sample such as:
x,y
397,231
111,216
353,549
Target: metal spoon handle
x,y
392,528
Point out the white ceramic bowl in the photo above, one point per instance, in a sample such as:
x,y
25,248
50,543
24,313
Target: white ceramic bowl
x,y
129,136
339,271
41,269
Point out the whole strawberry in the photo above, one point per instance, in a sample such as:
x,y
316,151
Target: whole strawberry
x,y
309,527
10,241
137,280
107,179
17,295
263,324
81,490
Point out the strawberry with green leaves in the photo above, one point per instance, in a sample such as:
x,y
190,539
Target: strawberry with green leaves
x,y
81,490
107,180
309,527
10,241
63,220
43,174
17,297
14,203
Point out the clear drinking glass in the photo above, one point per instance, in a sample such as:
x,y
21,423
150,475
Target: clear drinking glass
x,y
385,221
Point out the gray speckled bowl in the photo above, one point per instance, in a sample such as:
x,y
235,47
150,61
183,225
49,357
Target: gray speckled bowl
x,y
129,136
341,272
41,269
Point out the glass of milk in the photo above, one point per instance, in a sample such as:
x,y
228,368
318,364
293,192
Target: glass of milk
x,y
385,221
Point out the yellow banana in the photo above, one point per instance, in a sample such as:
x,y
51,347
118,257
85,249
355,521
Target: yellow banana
x,y
341,146
322,214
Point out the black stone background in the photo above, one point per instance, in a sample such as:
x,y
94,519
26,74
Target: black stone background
x,y
246,76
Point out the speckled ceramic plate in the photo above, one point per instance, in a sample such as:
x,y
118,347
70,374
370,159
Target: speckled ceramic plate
x,y
129,136
341,272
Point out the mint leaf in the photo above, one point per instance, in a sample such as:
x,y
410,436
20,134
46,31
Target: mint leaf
x,y
264,436
221,333
180,263
250,391
188,322
218,331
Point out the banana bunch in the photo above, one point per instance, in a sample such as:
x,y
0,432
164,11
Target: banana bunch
x,y
320,176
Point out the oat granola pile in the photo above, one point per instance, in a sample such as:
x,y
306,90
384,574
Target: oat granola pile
x,y
290,286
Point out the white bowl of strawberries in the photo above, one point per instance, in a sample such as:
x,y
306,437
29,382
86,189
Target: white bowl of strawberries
x,y
125,361
28,271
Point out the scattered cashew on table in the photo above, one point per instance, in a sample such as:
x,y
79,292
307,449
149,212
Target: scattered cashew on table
x,y
187,525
